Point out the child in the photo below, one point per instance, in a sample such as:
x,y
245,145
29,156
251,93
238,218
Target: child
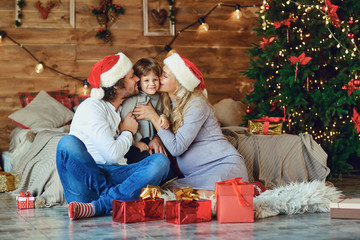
x,y
149,72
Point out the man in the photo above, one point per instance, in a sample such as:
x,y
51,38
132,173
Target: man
x,y
90,160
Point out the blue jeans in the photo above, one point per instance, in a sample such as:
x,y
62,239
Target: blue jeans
x,y
85,181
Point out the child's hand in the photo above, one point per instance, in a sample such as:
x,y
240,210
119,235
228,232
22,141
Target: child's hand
x,y
164,122
142,146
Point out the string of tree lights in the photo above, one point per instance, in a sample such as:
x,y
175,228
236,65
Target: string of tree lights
x,y
308,62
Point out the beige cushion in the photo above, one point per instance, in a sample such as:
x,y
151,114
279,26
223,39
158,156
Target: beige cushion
x,y
42,112
229,112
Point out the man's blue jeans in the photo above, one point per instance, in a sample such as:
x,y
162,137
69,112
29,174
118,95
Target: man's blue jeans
x,y
85,181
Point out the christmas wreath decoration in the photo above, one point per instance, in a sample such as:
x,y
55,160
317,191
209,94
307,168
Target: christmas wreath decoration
x,y
105,14
20,4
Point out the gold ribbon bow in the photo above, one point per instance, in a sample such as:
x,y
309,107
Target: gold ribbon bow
x,y
150,192
187,193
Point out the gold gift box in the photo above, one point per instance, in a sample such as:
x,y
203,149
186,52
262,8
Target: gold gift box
x,y
256,127
9,182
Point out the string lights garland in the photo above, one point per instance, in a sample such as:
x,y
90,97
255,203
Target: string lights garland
x,y
40,65
203,27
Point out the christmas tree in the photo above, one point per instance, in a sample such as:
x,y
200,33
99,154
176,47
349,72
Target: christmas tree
x,y
308,63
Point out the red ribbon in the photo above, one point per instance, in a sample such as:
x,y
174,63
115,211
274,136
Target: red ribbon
x,y
307,84
287,36
267,121
235,182
27,194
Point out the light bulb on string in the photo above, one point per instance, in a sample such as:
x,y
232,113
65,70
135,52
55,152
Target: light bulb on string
x,y
203,25
169,50
39,67
85,89
237,12
2,35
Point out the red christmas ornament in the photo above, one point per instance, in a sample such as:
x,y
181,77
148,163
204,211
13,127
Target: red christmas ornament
x,y
350,35
351,21
266,7
351,86
248,109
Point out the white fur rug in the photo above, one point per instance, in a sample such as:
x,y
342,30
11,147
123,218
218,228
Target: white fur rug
x,y
295,198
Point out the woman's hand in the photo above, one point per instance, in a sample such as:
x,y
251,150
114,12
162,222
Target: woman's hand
x,y
147,112
143,111
157,146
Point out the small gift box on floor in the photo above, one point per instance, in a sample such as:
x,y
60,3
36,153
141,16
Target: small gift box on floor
x,y
266,125
25,201
188,208
148,208
7,182
234,201
345,208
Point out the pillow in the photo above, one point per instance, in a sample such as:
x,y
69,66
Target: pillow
x,y
77,99
42,112
229,112
60,95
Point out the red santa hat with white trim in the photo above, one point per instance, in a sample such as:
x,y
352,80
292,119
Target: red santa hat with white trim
x,y
188,75
107,72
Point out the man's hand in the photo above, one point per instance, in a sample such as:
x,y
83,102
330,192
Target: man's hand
x,y
156,145
129,124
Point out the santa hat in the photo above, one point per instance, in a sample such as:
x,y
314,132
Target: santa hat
x,y
107,72
188,75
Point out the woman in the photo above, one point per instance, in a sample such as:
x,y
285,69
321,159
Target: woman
x,y
202,152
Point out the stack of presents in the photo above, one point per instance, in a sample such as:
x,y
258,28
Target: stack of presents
x,y
234,204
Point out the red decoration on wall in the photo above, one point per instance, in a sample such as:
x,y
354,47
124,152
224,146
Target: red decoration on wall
x,y
44,11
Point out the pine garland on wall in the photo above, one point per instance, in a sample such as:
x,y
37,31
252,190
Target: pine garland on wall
x,y
105,14
18,12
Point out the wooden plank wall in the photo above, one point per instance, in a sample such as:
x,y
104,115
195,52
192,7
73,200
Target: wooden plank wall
x,y
219,53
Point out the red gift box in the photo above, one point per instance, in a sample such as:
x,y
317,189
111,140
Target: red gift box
x,y
234,200
185,212
129,211
25,201
347,207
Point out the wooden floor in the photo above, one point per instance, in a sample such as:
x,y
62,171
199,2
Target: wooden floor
x,y
53,223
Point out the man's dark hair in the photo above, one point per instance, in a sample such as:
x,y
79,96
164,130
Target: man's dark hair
x,y
110,92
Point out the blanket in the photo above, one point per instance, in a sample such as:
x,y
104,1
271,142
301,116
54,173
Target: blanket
x,y
273,160
277,160
38,170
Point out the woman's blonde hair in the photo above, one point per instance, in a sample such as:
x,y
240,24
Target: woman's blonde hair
x,y
182,97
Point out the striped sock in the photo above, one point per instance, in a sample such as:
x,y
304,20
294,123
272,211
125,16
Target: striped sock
x,y
81,210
